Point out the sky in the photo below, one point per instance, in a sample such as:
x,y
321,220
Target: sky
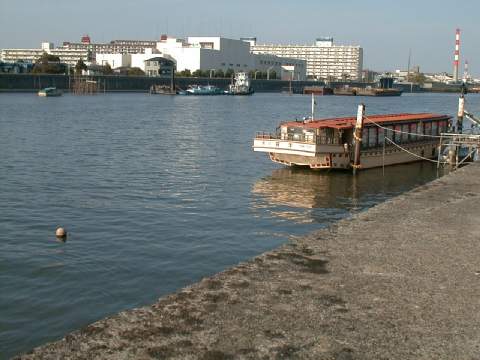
x,y
386,29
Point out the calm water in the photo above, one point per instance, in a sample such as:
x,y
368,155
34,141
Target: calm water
x,y
156,192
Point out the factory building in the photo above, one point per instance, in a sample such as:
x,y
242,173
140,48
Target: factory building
x,y
193,53
211,54
324,59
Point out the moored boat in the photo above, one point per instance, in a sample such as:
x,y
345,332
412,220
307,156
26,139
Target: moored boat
x,y
50,91
203,90
345,91
162,90
378,92
241,85
317,90
329,143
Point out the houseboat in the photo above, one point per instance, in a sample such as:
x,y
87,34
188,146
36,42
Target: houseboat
x,y
330,143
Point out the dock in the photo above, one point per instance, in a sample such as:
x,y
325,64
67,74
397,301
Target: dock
x,y
398,281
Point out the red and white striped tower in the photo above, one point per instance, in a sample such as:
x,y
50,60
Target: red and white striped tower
x,y
457,56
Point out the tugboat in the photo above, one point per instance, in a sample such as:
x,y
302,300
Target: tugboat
x,y
50,91
241,85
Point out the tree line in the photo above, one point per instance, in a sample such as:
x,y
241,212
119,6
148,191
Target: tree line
x,y
51,64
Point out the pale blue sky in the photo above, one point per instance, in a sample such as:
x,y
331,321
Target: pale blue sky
x,y
385,29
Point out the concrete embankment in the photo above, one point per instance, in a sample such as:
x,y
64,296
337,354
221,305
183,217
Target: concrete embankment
x,y
119,83
399,281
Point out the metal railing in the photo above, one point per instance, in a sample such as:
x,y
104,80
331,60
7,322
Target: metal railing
x,y
286,137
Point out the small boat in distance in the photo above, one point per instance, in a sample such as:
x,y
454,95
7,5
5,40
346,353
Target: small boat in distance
x,y
50,91
162,90
330,143
241,85
202,90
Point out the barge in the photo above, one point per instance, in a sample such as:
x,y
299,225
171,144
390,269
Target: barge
x,y
318,90
354,142
378,92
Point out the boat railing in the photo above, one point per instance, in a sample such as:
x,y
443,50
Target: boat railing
x,y
266,136
286,137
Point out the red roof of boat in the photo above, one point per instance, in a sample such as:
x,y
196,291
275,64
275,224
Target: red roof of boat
x,y
349,122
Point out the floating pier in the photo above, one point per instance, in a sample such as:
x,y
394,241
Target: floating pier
x,y
399,281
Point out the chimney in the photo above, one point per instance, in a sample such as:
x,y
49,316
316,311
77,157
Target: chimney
x,y
457,56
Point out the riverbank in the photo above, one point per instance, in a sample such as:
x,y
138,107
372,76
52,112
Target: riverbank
x,y
399,281
123,83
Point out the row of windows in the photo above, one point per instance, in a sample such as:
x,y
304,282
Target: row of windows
x,y
405,133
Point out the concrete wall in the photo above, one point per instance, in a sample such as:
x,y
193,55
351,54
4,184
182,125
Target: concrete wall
x,y
30,82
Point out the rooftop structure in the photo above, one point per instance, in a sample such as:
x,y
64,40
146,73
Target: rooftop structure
x,y
114,46
324,59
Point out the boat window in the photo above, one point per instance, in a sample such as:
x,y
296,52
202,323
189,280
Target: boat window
x,y
404,135
381,136
365,138
372,136
420,130
413,130
442,126
427,128
308,136
435,128
397,134
389,132
327,136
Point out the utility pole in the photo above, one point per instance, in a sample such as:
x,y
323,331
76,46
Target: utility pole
x,y
461,110
357,135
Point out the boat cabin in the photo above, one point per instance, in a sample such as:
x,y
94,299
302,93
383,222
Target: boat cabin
x,y
328,143
400,128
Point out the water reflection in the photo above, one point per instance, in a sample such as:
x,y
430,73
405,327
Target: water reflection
x,y
303,195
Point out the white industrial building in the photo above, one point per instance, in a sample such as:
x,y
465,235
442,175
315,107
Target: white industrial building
x,y
324,59
210,53
194,53
114,60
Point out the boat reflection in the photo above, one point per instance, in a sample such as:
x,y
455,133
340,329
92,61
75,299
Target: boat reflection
x,y
303,195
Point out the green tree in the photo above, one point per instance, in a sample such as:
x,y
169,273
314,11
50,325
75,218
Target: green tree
x,y
184,73
107,69
135,71
197,73
273,75
80,66
49,64
219,73
229,73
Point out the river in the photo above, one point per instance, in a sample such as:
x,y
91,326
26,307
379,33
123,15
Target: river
x,y
157,192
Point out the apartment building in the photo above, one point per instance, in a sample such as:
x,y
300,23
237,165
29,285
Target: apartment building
x,y
324,60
